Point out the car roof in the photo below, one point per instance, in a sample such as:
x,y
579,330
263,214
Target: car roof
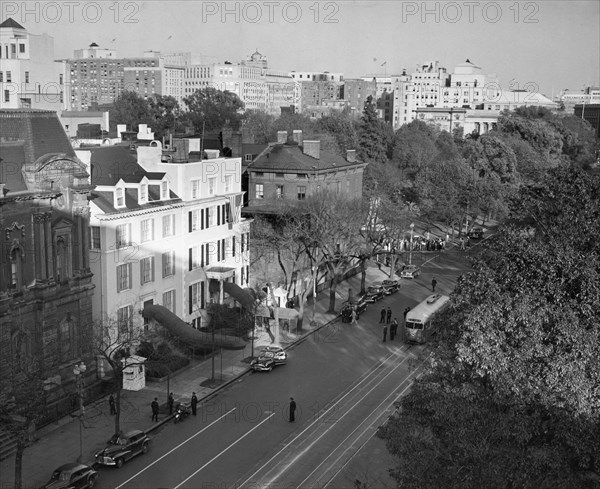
x,y
70,467
131,433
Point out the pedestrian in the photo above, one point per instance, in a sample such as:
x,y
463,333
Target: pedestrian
x,y
384,333
383,313
194,403
154,406
389,315
433,284
406,312
171,403
353,315
292,410
393,329
111,403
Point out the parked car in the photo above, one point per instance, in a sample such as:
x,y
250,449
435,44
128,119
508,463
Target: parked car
x,y
264,362
390,286
72,476
375,292
410,271
280,354
476,233
122,448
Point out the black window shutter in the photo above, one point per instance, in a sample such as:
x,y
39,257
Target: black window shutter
x,y
202,295
218,251
201,211
223,213
202,256
218,215
190,221
233,246
207,218
152,265
190,259
191,309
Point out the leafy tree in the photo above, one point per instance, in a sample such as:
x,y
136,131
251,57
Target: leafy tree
x,y
210,109
130,109
374,135
166,115
341,126
258,125
415,148
289,122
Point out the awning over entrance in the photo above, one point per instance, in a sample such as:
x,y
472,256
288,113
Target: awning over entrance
x,y
239,294
186,333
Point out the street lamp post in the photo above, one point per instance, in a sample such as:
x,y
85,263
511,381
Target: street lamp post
x,y
412,227
79,370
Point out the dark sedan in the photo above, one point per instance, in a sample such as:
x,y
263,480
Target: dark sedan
x,y
390,286
123,448
265,362
72,476
375,293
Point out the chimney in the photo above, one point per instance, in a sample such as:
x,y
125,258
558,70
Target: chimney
x,y
351,155
281,137
312,148
297,136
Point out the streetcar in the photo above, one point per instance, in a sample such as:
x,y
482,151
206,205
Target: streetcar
x,y
422,321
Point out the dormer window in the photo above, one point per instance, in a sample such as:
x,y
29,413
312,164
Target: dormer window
x,y
143,193
120,197
164,190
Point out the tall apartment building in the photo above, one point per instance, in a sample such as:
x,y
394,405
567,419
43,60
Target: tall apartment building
x,y
422,89
251,80
356,91
98,77
469,87
29,76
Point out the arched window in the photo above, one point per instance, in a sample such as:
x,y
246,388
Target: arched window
x,y
63,259
16,269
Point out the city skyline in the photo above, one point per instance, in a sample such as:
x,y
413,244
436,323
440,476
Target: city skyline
x,y
523,43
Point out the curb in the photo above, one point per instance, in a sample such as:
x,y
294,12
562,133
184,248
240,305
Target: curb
x,y
209,396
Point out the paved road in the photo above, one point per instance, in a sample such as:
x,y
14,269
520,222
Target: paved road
x,y
344,379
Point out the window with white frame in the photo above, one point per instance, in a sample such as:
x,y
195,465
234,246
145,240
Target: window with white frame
x,y
196,189
147,270
125,319
196,217
168,263
123,277
164,190
94,237
259,191
279,192
168,300
228,183
147,230
168,225
212,185
143,193
301,192
211,216
197,296
195,257
120,197
123,235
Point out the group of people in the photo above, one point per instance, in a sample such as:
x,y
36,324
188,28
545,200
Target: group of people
x,y
171,405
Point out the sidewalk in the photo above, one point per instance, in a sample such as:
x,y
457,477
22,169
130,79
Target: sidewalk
x,y
58,443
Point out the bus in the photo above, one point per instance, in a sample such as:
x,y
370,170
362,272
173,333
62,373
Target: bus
x,y
422,320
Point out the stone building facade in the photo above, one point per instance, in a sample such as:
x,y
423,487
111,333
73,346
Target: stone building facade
x,y
45,279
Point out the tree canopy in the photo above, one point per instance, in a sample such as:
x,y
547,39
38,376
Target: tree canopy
x,y
511,397
210,109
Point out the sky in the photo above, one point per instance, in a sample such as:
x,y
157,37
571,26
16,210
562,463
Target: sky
x,y
544,46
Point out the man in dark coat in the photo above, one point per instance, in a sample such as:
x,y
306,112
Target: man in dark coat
x,y
433,284
292,410
389,315
194,403
406,312
383,313
171,402
384,333
393,329
154,406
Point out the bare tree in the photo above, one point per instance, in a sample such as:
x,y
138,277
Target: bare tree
x,y
19,415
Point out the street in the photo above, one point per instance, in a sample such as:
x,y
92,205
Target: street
x,y
344,380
